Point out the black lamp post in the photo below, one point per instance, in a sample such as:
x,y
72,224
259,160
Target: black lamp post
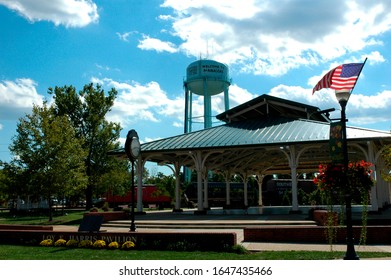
x,y
132,149
343,97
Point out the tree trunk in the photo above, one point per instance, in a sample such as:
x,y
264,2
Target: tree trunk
x,y
89,196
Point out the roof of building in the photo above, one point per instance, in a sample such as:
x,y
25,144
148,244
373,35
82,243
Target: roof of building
x,y
253,136
255,132
267,106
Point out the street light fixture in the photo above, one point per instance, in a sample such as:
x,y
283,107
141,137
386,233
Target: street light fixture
x,y
343,97
132,150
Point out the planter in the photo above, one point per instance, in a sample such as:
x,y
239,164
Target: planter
x,y
110,216
320,217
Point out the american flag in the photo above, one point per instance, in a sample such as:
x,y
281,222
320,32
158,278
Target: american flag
x,y
342,77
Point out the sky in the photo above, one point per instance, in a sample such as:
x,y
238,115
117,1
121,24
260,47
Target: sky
x,y
142,49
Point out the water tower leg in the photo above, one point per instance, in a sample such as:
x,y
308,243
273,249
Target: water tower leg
x,y
226,99
190,118
188,110
207,107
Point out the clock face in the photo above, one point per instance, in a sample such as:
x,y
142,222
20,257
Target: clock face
x,y
135,147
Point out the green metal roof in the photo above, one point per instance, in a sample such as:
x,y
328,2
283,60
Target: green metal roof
x,y
257,132
245,133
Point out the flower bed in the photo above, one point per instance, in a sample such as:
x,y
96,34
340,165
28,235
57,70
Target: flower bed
x,y
203,241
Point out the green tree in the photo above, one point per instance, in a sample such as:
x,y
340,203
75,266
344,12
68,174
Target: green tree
x,y
117,180
87,110
165,185
386,155
47,155
9,182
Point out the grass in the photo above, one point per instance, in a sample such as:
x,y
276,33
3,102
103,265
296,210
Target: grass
x,y
12,252
70,218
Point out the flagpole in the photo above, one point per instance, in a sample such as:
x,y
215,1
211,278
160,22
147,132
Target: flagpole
x,y
358,75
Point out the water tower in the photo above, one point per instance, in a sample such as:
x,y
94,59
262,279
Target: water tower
x,y
207,78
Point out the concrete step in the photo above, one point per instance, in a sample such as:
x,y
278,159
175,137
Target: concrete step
x,y
205,224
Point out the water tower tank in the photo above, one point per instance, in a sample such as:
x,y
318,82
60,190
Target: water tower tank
x,y
213,73
207,78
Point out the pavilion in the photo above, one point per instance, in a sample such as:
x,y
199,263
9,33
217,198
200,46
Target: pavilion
x,y
266,135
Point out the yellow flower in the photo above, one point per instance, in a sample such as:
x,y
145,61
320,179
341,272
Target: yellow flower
x,y
99,244
60,242
85,243
72,243
113,245
128,245
46,242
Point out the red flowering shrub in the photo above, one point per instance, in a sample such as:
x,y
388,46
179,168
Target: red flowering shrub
x,y
359,181
331,182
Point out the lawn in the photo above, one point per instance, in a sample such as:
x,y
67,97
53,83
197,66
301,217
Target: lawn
x,y
66,217
12,252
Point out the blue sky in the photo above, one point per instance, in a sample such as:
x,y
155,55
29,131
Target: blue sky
x,y
142,48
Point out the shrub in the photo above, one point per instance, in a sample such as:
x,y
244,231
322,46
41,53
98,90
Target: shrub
x,y
99,244
128,245
46,242
85,244
113,245
60,242
72,243
239,249
182,246
105,207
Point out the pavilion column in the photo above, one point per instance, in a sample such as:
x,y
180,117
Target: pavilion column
x,y
206,181
259,179
177,171
372,158
293,163
245,191
200,205
177,194
244,177
295,203
199,163
227,188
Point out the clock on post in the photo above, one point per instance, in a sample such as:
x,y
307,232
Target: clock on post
x,y
132,145
132,150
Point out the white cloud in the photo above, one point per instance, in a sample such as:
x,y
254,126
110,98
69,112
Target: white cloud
x,y
125,36
237,96
137,102
370,109
148,43
70,13
270,37
17,97
374,58
149,103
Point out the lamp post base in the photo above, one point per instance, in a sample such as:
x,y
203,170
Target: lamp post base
x,y
350,252
133,228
